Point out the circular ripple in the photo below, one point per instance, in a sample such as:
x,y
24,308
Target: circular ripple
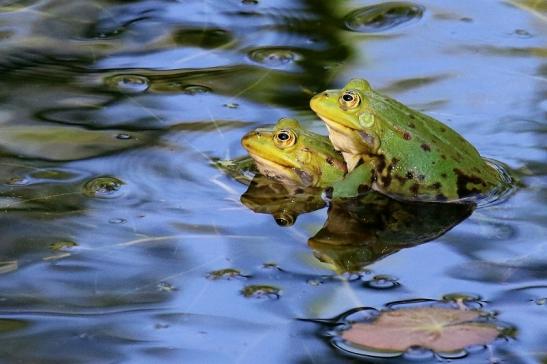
x,y
128,83
103,187
382,17
274,57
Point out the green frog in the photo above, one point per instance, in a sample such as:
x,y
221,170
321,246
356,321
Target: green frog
x,y
399,151
294,156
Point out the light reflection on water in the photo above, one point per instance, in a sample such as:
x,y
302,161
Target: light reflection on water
x,y
149,92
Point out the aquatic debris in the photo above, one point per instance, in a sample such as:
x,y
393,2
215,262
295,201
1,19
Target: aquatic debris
x,y
228,273
62,245
438,329
381,17
261,291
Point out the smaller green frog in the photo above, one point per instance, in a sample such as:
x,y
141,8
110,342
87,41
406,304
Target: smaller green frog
x,y
294,156
401,152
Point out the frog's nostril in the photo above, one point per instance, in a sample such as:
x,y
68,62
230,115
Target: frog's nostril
x,y
325,94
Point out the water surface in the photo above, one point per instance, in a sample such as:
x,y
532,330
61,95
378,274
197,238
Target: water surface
x,y
112,217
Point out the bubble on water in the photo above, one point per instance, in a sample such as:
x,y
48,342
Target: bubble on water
x,y
117,221
382,17
274,57
123,136
228,273
231,105
261,292
195,89
103,187
128,83
458,354
540,301
382,281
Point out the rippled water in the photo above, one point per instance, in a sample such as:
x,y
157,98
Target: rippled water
x,y
121,242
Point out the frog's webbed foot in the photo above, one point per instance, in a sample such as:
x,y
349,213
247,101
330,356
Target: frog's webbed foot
x,y
354,183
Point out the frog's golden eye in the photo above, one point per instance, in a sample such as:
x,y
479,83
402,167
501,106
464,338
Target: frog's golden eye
x,y
349,100
284,138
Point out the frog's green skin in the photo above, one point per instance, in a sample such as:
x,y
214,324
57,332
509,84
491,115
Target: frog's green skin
x,y
303,158
407,155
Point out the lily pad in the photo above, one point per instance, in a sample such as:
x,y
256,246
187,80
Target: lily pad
x,y
63,143
439,329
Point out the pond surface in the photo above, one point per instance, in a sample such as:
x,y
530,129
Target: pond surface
x,y
122,243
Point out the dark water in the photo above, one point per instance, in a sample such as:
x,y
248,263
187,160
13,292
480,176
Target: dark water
x,y
112,217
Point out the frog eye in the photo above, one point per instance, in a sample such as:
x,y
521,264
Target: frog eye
x,y
285,219
349,100
284,138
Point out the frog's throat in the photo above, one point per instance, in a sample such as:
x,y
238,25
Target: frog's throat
x,y
340,128
283,173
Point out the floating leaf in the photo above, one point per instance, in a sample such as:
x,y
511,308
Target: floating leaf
x,y
438,329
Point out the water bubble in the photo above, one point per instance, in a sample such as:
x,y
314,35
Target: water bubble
x,y
231,105
123,136
228,274
261,291
128,83
540,301
381,17
117,220
62,245
382,281
103,187
195,89
273,57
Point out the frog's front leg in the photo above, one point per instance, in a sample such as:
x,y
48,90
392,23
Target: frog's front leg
x,y
354,183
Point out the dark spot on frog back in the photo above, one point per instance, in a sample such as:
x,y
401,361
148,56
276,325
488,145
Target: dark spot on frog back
x,y
462,182
407,135
425,147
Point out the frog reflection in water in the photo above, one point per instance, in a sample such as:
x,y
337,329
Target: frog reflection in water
x,y
360,231
357,232
399,151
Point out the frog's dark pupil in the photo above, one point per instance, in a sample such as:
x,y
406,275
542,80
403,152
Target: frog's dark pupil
x,y
347,97
283,136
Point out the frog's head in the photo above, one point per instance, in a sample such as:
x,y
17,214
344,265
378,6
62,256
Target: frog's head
x,y
347,114
293,155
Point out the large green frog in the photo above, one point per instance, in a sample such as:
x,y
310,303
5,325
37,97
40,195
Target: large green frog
x,y
294,156
399,151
